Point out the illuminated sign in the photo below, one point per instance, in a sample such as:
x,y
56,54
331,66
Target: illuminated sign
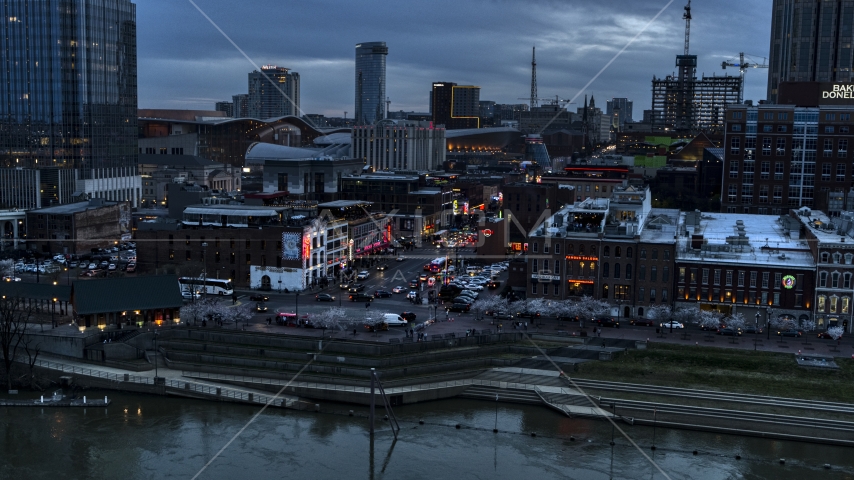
x,y
545,277
487,232
838,91
789,282
581,282
291,245
586,259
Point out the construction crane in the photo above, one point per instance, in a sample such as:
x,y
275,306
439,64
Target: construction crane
x,y
742,66
687,17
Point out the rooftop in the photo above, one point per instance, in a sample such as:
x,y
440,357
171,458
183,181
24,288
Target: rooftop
x,y
69,208
176,160
344,204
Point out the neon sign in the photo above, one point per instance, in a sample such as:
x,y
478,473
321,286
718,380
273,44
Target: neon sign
x,y
789,282
578,257
487,232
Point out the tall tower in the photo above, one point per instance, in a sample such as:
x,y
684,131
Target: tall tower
x,y
370,82
68,101
810,42
687,65
265,98
534,78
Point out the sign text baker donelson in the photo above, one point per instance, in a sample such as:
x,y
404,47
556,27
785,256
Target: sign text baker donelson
x,y
839,91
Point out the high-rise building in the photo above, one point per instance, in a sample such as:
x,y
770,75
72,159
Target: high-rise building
x,y
397,145
370,82
273,92
810,42
225,107
455,106
622,108
241,105
687,104
68,114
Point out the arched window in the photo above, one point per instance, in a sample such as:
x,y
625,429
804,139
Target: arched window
x,y
594,249
846,280
605,269
834,280
606,251
643,253
629,252
618,252
581,249
616,270
655,254
837,257
628,272
570,248
605,290
822,279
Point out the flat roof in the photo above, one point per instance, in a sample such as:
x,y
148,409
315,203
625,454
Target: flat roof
x,y
764,241
344,203
73,207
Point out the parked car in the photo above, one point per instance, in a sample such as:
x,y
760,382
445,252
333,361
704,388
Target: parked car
x,y
188,295
458,307
642,322
502,315
111,266
825,335
752,329
356,287
790,333
259,298
131,268
733,332
361,297
324,297
672,324
408,316
398,289
382,294
526,314
607,322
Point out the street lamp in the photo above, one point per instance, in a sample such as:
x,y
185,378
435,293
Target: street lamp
x,y
53,314
768,324
205,259
296,305
156,333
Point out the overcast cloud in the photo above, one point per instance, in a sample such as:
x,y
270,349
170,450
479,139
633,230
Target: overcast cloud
x,y
184,62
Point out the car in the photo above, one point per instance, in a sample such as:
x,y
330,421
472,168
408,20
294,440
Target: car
x,y
408,316
361,297
502,315
642,322
451,269
344,285
398,289
377,327
394,320
475,287
493,285
105,264
413,283
607,322
671,324
825,335
752,329
790,333
382,294
400,259
73,265
259,298
7,278
260,307
363,275
356,287
458,307
111,266
92,266
733,332
423,277
188,295
527,314
131,268
382,267
324,297
411,294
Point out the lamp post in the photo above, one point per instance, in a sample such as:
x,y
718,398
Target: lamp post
x,y
768,324
280,286
296,305
53,314
156,333
205,260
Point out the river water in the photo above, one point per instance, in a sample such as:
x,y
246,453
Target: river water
x,y
148,437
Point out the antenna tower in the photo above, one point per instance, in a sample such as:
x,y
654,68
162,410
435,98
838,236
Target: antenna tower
x,y
534,78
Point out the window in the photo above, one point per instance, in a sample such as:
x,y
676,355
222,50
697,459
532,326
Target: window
x,y
705,278
740,278
736,115
655,254
752,279
834,302
557,249
557,267
653,274
664,295
729,277
556,290
642,272
834,280
840,172
665,274
822,279
846,281
629,252
766,144
606,251
535,266
641,294
628,272
828,129
736,127
782,116
845,303
837,257
765,279
843,148
643,253
735,146
765,170
651,295
822,303
533,288
825,172
616,270
781,146
545,248
667,254
733,169
618,252
536,247
605,269
778,279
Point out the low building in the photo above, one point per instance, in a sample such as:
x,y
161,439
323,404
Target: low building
x,y
159,171
77,228
137,300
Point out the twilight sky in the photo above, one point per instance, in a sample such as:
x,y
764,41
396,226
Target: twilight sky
x,y
185,63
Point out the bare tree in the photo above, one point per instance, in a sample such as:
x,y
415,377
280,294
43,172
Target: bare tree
x,y
15,313
686,315
659,313
238,314
735,321
32,352
835,333
807,326
332,318
7,268
710,319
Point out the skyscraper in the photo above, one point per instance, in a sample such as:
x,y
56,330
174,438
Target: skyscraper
x,y
68,113
455,106
370,82
273,92
810,42
622,107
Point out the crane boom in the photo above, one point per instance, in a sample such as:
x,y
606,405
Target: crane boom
x,y
687,17
742,67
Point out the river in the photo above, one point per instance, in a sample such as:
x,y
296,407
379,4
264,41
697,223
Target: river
x,y
149,437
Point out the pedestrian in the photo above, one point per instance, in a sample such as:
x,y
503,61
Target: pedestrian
x,y
354,332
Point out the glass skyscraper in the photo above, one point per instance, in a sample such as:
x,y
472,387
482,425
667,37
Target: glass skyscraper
x,y
68,100
370,82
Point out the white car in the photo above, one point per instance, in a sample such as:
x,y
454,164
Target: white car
x,y
411,294
400,258
92,266
475,287
363,275
672,324
189,295
111,266
398,289
11,279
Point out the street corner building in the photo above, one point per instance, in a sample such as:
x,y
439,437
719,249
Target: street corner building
x,y
126,301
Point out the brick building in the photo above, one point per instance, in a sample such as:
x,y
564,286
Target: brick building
x,y
76,228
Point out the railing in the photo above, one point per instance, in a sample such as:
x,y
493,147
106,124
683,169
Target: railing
x,y
88,372
226,393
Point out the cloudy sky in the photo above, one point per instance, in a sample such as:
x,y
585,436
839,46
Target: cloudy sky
x,y
184,62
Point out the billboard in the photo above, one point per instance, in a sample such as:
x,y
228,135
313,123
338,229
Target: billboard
x,y
291,245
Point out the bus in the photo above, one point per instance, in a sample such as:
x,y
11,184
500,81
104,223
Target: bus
x,y
437,265
211,286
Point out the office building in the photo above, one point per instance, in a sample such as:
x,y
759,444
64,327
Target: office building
x,y
370,82
400,145
782,157
225,107
69,99
455,106
273,92
241,105
619,110
810,42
